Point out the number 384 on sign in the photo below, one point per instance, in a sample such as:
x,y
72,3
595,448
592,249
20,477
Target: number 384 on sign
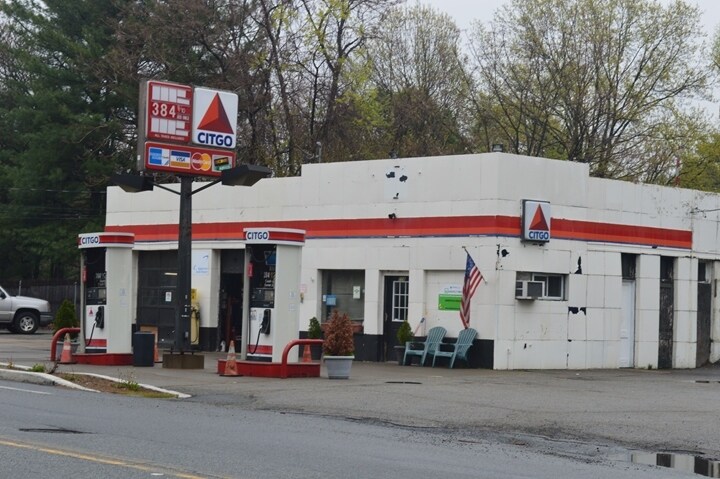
x,y
169,110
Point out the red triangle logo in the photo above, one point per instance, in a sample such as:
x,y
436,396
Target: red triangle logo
x,y
538,222
215,118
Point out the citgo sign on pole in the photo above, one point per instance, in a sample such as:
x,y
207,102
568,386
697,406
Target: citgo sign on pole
x,y
169,111
214,118
179,115
187,159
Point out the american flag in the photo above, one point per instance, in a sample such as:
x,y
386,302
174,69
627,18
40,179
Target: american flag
x,y
473,276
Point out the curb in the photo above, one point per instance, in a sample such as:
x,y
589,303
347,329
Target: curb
x,y
24,375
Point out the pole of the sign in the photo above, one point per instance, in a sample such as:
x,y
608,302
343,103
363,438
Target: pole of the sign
x,y
184,280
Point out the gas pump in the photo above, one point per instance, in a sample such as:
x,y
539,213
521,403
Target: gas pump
x,y
95,287
263,259
106,263
273,261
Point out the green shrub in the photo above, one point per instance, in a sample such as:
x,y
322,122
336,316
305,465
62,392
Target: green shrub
x,y
404,333
314,330
65,316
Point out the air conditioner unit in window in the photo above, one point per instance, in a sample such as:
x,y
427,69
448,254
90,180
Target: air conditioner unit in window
x,y
529,289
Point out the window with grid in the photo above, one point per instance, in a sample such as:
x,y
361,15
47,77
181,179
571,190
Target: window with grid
x,y
400,300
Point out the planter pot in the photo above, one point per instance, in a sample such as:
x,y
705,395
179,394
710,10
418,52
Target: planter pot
x,y
74,345
338,367
399,354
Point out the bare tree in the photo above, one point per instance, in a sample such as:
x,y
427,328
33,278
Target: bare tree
x,y
593,81
417,65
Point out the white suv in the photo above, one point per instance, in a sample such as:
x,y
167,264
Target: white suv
x,y
21,314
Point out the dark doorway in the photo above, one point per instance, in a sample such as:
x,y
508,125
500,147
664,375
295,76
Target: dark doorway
x,y
667,306
395,311
230,301
157,284
704,303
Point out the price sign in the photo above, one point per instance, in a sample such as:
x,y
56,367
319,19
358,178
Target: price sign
x,y
169,111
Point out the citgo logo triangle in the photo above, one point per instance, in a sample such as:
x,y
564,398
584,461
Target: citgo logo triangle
x,y
215,118
538,222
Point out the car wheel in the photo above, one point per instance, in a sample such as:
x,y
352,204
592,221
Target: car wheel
x,y
26,322
11,327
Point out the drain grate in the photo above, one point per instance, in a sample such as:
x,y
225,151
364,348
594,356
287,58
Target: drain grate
x,y
50,429
402,382
706,381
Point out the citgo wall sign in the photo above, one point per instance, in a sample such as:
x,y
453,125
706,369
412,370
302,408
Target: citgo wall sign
x,y
536,221
186,130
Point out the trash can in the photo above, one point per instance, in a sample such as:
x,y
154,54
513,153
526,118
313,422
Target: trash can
x,y
143,349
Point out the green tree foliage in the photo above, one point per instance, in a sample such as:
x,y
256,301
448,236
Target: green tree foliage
x,y
597,81
57,105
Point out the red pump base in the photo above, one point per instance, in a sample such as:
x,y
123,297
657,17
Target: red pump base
x,y
277,370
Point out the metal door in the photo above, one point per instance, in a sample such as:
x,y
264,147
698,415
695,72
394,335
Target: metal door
x,y
665,337
703,323
627,328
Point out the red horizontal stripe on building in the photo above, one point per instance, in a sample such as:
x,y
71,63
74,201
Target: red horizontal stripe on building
x,y
615,233
116,239
441,226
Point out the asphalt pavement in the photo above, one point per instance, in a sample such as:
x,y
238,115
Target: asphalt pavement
x,y
589,412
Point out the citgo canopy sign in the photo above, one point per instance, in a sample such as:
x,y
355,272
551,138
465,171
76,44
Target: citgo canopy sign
x,y
105,240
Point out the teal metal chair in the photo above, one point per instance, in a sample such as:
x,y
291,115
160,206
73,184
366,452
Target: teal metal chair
x,y
432,342
457,350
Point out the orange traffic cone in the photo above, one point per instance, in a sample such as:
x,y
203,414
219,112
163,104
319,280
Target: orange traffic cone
x,y
231,362
66,356
307,357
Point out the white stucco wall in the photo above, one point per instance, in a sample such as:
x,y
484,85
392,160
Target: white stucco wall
x,y
526,334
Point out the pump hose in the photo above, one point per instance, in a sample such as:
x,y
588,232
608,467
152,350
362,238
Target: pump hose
x,y
92,331
256,343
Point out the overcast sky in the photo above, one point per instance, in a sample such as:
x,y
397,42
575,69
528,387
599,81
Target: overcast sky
x,y
465,11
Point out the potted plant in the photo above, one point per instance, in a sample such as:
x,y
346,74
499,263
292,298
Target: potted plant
x,y
404,334
338,346
315,332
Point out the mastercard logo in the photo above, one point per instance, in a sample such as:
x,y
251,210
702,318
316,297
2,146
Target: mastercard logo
x,y
201,161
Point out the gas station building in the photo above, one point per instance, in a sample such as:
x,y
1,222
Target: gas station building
x,y
579,272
